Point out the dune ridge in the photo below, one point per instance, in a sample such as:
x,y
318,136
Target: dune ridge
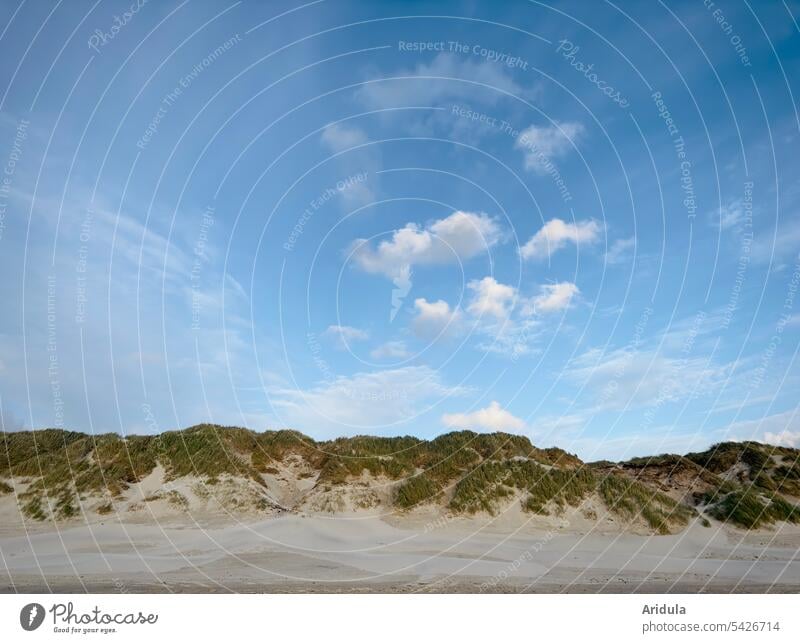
x,y
211,472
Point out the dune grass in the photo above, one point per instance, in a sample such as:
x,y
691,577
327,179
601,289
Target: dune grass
x,y
475,472
751,509
630,500
415,491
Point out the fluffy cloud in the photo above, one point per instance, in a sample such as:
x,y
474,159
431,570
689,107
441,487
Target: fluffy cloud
x,y
784,438
390,350
782,429
458,237
555,234
435,319
491,298
540,145
442,80
492,418
363,402
554,297
342,336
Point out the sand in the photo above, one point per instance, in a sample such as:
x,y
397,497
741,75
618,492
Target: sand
x,y
361,552
228,538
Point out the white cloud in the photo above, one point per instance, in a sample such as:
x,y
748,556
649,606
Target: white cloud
x,y
509,329
782,429
364,401
435,319
555,234
618,252
441,80
491,298
784,438
338,137
492,418
342,336
512,338
554,297
541,145
458,237
629,377
390,350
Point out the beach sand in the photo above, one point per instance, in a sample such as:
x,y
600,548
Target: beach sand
x,y
363,552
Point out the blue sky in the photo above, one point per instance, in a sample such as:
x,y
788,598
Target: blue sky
x,y
576,221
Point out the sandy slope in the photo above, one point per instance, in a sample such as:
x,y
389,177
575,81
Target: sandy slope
x,y
357,551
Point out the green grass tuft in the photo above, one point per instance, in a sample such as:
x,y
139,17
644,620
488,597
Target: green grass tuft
x,y
415,491
630,500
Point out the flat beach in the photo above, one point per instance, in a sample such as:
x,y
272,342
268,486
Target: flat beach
x,y
391,554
